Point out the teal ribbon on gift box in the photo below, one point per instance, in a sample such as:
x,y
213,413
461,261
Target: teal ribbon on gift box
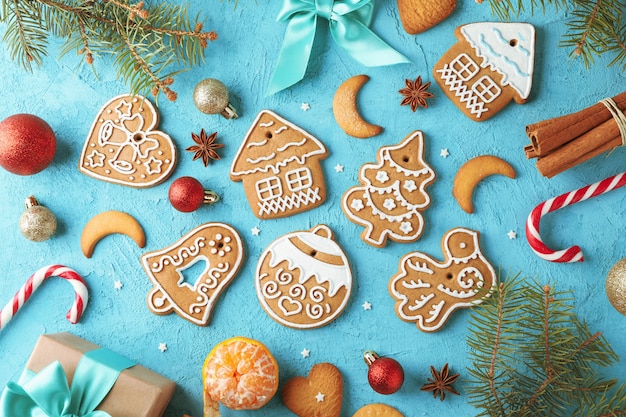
x,y
348,21
47,393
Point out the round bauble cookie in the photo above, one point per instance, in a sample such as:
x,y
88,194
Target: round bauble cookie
x,y
303,279
27,144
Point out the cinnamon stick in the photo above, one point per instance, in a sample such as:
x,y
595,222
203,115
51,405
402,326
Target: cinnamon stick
x,y
588,145
548,135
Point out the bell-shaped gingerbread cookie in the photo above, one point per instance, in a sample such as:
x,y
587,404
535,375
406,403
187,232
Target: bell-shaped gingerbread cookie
x,y
219,250
427,291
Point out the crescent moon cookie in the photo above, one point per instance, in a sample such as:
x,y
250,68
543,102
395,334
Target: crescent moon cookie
x,y
474,171
392,194
491,64
346,111
107,223
279,165
178,287
303,279
125,147
377,410
427,291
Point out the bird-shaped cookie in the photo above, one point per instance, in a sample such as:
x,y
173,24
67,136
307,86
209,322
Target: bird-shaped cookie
x,y
427,292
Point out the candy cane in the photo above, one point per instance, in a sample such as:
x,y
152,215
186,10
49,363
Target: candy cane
x,y
35,280
573,253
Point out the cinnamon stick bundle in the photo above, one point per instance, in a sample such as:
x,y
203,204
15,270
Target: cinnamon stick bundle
x,y
566,141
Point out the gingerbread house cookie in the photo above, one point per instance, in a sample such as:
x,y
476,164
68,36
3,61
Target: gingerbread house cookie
x,y
279,165
490,65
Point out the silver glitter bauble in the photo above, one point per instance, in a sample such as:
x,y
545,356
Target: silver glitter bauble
x,y
211,97
616,286
37,223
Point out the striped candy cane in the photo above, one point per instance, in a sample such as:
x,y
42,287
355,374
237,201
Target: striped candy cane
x,y
80,288
573,253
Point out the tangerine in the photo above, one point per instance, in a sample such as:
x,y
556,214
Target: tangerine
x,y
239,373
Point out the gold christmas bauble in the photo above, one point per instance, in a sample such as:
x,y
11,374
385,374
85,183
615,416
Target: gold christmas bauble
x,y
616,286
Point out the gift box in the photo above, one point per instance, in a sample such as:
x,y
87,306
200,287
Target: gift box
x,y
92,373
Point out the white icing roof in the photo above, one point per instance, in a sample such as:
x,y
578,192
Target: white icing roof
x,y
509,48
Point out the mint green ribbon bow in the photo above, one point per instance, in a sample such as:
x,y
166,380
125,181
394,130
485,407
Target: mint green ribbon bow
x,y
47,394
348,21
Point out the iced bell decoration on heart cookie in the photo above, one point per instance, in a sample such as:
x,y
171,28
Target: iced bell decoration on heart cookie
x,y
490,65
303,279
125,147
178,286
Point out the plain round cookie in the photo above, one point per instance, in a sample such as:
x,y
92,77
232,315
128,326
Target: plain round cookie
x,y
377,410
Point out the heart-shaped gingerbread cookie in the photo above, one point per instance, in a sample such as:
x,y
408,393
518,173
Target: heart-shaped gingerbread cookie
x,y
125,147
319,394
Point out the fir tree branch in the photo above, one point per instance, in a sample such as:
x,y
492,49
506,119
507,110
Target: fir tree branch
x,y
494,356
143,41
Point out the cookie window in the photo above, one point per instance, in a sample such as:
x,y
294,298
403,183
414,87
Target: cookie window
x,y
486,89
464,67
269,188
299,179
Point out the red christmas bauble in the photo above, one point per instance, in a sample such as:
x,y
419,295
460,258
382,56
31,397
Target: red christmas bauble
x,y
27,144
186,194
385,375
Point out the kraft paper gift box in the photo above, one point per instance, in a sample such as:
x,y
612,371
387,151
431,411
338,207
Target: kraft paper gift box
x,y
136,391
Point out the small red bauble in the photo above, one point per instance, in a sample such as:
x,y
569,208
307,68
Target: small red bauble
x,y
385,375
187,194
27,144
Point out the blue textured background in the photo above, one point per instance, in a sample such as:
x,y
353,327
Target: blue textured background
x,y
68,96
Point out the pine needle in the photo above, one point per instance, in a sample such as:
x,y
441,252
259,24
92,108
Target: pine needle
x,y
149,44
532,356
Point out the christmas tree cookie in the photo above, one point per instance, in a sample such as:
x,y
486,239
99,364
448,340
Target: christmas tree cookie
x,y
392,194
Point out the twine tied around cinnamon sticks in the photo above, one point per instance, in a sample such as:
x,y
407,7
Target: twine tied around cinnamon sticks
x,y
566,141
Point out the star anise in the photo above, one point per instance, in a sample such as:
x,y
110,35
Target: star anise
x,y
206,147
440,382
415,93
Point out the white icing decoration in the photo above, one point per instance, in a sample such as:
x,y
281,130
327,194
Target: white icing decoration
x,y
382,177
389,204
508,48
357,204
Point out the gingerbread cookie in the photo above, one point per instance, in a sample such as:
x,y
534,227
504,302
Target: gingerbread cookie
x,y
319,394
220,249
418,16
303,279
393,193
490,65
125,147
377,410
346,111
279,165
428,291
107,223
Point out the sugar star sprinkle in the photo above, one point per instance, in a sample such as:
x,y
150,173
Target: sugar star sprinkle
x,y
118,285
305,106
162,347
305,353
320,397
366,305
512,234
444,153
255,231
338,168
